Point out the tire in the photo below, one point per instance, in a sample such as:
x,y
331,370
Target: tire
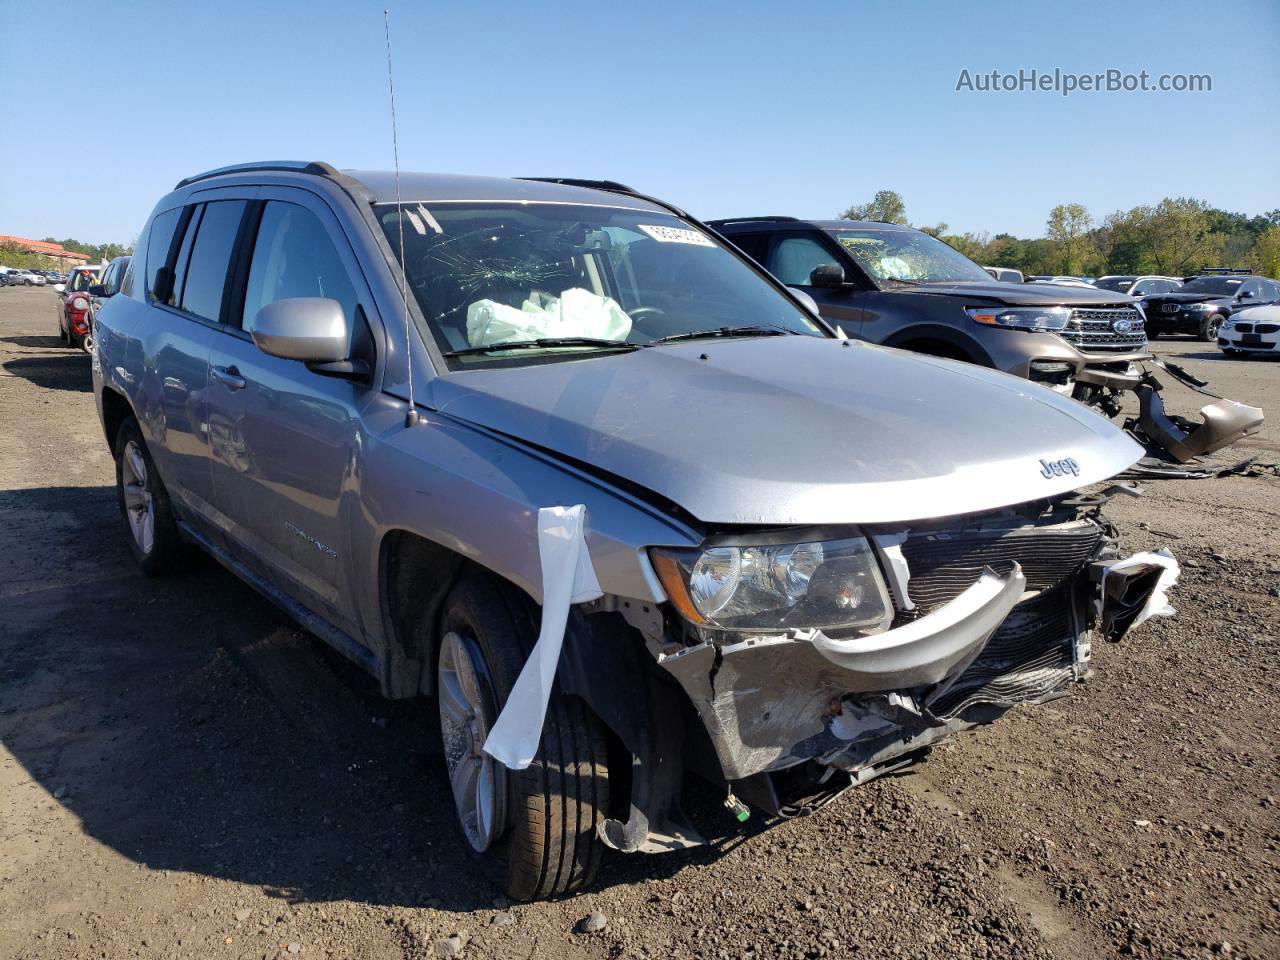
x,y
548,814
140,493
1208,332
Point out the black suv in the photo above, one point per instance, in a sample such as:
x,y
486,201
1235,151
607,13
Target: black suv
x,y
901,287
1201,304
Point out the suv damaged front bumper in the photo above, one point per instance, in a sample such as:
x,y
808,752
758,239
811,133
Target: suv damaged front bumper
x,y
1005,617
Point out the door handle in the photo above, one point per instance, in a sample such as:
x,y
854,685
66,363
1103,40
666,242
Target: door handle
x,y
229,377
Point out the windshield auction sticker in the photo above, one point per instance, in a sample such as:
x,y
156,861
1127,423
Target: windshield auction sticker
x,y
676,235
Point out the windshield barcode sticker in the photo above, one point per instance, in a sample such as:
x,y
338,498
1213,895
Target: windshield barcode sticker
x,y
676,235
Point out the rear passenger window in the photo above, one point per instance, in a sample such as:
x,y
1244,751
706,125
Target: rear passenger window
x,y
294,257
210,255
160,238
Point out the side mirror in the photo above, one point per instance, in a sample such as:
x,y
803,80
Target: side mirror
x,y
809,303
827,276
59,288
98,290
314,330
1245,295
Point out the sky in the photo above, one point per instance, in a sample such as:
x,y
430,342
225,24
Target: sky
x,y
725,108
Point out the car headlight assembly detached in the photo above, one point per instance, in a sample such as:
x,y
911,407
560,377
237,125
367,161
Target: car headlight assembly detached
x,y
1050,319
828,585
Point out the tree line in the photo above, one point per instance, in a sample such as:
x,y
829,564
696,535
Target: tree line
x,y
12,256
1178,236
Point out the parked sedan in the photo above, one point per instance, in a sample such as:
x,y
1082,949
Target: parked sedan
x,y
74,305
1253,330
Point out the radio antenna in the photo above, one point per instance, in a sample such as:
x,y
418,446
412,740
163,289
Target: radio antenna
x,y
411,418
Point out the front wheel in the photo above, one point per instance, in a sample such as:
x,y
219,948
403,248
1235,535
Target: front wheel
x,y
144,505
1209,328
541,821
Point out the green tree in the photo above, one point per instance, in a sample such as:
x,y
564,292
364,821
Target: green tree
x,y
1265,258
1180,237
1068,230
887,206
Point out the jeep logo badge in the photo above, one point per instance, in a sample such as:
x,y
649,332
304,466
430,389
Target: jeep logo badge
x,y
1059,468
1122,326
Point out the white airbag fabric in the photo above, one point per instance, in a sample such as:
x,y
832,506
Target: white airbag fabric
x,y
1157,604
577,313
567,578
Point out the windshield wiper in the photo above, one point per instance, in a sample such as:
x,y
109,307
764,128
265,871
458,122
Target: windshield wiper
x,y
545,342
749,331
909,283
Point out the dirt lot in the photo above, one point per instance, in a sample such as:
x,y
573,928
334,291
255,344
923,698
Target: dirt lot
x,y
182,774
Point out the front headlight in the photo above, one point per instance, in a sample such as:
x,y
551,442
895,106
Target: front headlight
x,y
829,585
1022,318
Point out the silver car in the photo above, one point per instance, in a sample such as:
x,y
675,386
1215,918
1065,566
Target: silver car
x,y
552,453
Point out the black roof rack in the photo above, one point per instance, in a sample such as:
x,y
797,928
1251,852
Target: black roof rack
x,y
316,167
770,219
1219,271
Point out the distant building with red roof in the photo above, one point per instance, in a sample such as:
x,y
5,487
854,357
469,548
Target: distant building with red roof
x,y
54,251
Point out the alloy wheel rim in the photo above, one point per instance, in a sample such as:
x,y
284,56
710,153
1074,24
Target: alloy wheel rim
x,y
139,505
466,701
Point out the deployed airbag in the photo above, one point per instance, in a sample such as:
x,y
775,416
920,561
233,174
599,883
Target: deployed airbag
x,y
576,313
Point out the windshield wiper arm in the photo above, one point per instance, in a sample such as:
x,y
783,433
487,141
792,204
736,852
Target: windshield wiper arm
x,y
545,342
748,331
909,283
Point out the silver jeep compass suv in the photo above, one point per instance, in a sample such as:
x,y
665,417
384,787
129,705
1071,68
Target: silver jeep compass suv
x,y
551,453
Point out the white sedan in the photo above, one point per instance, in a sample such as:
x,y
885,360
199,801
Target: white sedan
x,y
1252,330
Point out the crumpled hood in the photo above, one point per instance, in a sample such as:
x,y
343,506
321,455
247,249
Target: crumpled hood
x,y
1027,294
799,430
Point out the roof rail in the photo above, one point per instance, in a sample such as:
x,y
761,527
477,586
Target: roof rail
x,y
771,219
1207,271
611,185
316,167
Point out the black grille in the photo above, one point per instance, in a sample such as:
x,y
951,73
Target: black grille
x,y
1031,656
1246,328
1263,327
1094,329
944,563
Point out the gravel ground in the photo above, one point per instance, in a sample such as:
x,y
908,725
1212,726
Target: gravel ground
x,y
182,774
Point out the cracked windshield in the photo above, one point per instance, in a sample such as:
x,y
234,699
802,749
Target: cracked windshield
x,y
519,282
906,256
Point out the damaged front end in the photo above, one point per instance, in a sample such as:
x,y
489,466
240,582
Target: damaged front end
x,y
975,615
1167,436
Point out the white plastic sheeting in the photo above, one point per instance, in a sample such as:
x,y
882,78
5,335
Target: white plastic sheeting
x,y
576,313
1157,604
567,578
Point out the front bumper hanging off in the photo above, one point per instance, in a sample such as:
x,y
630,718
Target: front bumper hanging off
x,y
860,705
1224,421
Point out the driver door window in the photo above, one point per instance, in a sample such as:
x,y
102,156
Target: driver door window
x,y
294,257
794,258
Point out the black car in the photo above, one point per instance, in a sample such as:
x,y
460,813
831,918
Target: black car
x,y
901,287
1200,305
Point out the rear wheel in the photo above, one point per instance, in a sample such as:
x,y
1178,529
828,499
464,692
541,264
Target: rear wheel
x,y
144,504
542,820
1209,328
